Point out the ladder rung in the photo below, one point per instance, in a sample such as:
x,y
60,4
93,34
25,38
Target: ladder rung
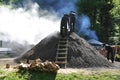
x,y
63,42
61,57
62,45
61,62
62,53
63,39
63,49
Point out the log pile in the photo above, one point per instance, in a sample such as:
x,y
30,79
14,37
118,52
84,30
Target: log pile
x,y
39,66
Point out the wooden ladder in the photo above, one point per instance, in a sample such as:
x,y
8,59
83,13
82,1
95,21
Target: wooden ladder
x,y
62,51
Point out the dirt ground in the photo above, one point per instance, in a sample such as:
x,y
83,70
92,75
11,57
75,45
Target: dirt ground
x,y
4,61
116,68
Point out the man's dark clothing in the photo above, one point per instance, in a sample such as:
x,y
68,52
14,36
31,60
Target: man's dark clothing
x,y
64,23
72,22
110,52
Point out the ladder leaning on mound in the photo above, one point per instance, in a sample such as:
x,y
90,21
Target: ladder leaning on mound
x,y
62,51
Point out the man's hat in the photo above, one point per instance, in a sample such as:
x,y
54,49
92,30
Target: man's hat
x,y
72,12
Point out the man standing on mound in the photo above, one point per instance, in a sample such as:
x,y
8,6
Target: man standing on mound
x,y
64,24
72,21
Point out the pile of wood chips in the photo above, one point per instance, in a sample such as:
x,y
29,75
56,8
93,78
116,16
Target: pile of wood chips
x,y
37,65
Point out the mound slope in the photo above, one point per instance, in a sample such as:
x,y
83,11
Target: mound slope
x,y
80,53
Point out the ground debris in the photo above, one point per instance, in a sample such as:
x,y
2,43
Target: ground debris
x,y
7,66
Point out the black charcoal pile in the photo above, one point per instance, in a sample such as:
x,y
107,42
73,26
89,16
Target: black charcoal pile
x,y
80,53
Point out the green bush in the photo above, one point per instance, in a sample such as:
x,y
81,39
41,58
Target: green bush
x,y
16,76
117,57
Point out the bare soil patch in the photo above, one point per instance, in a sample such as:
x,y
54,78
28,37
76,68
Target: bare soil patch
x,y
4,61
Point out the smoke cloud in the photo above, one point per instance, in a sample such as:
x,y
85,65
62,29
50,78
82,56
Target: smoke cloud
x,y
84,27
33,20
27,25
59,6
4,36
62,7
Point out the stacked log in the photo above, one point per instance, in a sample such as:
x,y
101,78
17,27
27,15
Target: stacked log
x,y
37,65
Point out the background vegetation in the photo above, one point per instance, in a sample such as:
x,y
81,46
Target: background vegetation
x,y
104,15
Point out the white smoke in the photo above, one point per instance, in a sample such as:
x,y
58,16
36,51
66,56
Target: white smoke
x,y
30,25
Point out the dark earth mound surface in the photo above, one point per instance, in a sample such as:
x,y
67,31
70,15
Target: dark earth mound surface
x,y
80,53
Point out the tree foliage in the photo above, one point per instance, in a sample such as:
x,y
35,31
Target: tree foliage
x,y
102,19
9,1
116,14
104,15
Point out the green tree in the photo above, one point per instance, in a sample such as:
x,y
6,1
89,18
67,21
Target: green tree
x,y
1,1
116,13
101,18
8,1
106,21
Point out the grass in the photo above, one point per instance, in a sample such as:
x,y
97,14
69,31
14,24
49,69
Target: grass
x,y
100,76
25,75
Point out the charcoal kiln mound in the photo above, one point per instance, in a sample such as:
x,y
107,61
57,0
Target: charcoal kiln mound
x,y
80,53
